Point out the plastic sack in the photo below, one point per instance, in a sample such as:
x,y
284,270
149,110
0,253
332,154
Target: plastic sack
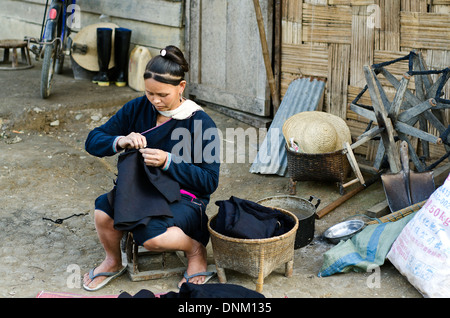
x,y
422,250
366,249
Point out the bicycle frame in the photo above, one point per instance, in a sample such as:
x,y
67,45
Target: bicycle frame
x,y
54,42
56,18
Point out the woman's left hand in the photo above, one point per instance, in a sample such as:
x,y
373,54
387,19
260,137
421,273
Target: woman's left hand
x,y
154,157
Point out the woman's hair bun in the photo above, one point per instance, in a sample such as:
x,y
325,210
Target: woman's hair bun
x,y
167,67
174,54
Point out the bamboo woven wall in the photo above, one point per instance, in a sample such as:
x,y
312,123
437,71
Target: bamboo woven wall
x,y
334,39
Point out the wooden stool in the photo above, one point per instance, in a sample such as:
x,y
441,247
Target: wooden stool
x,y
159,265
15,63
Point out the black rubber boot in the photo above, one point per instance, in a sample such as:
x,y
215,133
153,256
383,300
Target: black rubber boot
x,y
104,36
122,38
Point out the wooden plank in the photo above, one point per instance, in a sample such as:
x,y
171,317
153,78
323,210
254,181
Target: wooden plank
x,y
439,59
304,59
27,18
223,46
414,5
387,135
364,100
416,110
350,2
339,2
245,69
397,69
425,30
153,36
193,30
164,12
292,12
215,34
338,72
23,11
357,129
326,24
242,102
363,112
265,52
387,24
362,2
415,132
252,120
367,136
362,46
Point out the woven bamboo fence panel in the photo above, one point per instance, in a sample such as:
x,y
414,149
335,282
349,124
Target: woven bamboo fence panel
x,y
334,39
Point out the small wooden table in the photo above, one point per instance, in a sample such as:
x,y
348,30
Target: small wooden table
x,y
15,64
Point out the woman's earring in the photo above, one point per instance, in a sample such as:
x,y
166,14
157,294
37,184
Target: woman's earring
x,y
181,98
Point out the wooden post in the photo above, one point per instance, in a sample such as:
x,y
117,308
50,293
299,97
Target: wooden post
x,y
387,135
265,51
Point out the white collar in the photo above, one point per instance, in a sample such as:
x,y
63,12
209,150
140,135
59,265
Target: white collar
x,y
184,111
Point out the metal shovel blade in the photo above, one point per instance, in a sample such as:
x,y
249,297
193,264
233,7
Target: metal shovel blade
x,y
422,185
407,187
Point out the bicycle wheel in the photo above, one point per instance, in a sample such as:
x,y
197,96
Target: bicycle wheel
x,y
59,63
48,69
60,51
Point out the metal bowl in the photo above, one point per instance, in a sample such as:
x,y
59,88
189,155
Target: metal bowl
x,y
343,231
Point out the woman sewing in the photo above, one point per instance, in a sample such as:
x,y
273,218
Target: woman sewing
x,y
151,127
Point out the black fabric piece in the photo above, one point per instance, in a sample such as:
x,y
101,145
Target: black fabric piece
x,y
239,218
143,293
140,192
188,290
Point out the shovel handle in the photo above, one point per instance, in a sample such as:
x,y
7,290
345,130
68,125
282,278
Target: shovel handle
x,y
348,195
405,166
404,157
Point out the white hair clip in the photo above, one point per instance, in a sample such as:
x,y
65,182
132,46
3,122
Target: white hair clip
x,y
163,52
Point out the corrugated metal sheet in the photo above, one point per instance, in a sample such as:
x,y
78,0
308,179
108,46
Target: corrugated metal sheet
x,y
303,94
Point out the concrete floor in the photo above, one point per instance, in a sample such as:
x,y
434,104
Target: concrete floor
x,y
47,173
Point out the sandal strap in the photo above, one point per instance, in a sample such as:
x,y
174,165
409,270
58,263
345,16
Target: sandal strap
x,y
107,274
196,274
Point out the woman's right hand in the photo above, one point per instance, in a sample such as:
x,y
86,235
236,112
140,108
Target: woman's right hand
x,y
132,141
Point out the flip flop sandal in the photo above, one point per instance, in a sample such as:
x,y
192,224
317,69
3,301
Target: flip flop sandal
x,y
208,275
110,277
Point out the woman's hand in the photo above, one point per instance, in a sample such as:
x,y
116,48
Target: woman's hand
x,y
132,141
154,157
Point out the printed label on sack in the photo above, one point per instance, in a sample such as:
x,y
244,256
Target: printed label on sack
x,y
422,250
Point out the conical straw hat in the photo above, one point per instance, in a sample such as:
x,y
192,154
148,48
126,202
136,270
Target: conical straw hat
x,y
316,132
88,36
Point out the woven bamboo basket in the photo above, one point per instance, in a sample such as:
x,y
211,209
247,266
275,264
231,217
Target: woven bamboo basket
x,y
329,167
254,257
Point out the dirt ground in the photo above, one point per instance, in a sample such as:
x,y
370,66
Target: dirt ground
x,y
45,173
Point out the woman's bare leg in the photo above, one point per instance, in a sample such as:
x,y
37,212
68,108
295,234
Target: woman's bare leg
x,y
110,239
174,239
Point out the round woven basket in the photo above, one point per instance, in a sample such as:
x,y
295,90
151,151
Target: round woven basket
x,y
254,257
316,132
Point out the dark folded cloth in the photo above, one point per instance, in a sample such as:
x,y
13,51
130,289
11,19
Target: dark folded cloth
x,y
140,192
245,219
188,290
143,293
